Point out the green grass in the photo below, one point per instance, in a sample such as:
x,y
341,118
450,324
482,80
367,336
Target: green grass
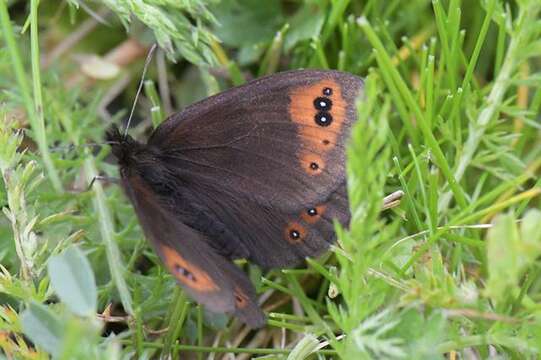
x,y
451,116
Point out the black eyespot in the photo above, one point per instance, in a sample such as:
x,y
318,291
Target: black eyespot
x,y
314,166
312,211
239,299
323,103
294,234
327,91
184,272
323,118
326,142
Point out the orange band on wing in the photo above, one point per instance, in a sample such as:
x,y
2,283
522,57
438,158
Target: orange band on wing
x,y
294,233
241,300
313,215
320,112
187,273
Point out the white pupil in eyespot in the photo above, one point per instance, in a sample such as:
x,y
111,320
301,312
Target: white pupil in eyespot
x,y
184,272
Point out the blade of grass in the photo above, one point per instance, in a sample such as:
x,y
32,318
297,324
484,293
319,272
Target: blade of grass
x,y
34,108
467,219
432,143
526,15
269,63
156,111
307,306
176,323
114,258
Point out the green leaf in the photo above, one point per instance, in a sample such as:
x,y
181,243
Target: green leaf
x,y
530,232
73,281
421,333
306,24
371,336
502,256
42,327
511,251
247,22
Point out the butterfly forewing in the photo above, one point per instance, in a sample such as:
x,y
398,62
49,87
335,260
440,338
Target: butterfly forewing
x,y
267,139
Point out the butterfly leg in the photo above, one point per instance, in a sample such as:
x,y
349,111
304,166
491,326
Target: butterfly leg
x,y
108,179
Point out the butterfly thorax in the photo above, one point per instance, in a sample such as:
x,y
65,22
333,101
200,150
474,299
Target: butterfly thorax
x,y
136,159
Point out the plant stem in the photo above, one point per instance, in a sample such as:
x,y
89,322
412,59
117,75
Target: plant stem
x,y
38,123
221,349
34,108
478,340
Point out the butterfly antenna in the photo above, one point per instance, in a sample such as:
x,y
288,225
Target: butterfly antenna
x,y
147,62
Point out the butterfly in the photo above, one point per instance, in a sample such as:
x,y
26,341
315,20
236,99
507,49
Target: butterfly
x,y
255,172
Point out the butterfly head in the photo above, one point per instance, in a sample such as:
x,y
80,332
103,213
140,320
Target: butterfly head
x,y
123,147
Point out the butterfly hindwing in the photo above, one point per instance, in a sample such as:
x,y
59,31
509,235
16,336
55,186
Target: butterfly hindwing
x,y
269,237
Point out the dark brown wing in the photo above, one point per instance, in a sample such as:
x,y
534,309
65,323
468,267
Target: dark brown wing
x,y
269,237
278,139
264,164
206,276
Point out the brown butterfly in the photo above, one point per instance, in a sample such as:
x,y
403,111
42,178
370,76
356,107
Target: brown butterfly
x,y
255,172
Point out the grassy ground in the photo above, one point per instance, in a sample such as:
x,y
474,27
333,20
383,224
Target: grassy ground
x,y
451,116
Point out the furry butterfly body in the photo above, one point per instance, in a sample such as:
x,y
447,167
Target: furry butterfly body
x,y
255,172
